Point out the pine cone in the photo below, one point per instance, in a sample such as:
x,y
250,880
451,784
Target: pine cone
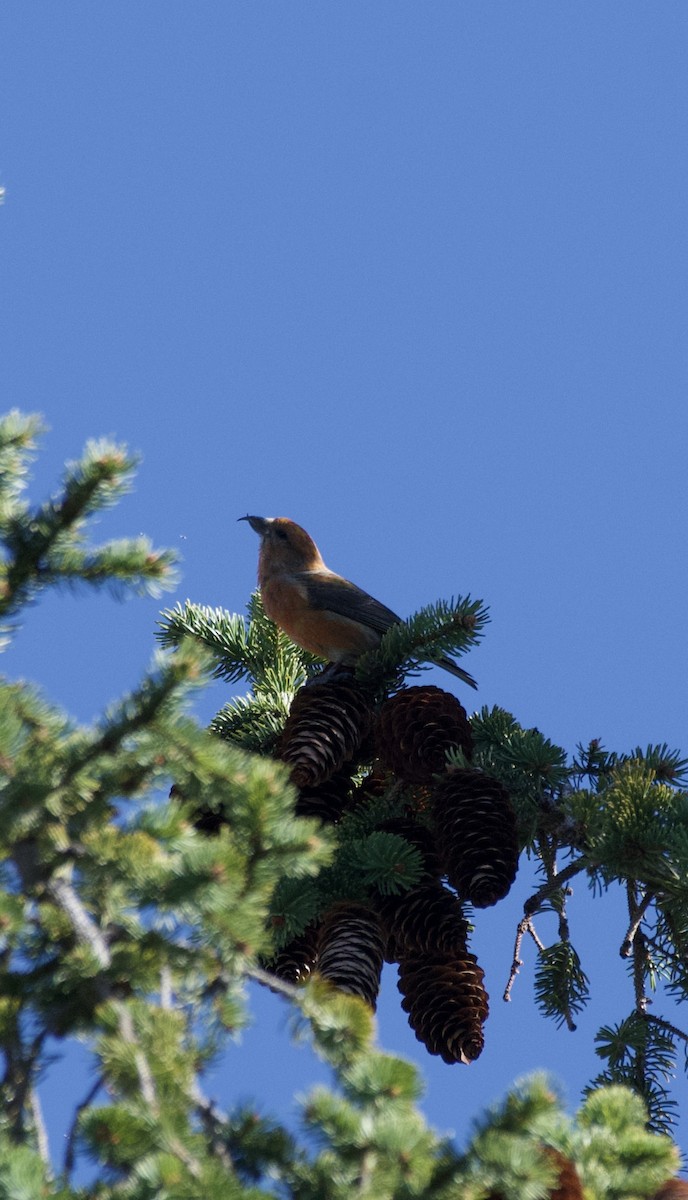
x,y
569,1186
673,1189
325,727
295,962
446,1003
415,729
476,829
326,800
427,919
350,950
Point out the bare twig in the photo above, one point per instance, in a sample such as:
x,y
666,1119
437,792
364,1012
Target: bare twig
x,y
166,990
146,1081
553,884
70,1147
18,1079
365,1175
215,1123
272,981
64,896
636,920
540,945
524,926
42,1144
639,952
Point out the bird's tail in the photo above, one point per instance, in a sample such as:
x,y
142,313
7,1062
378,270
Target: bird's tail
x,y
448,664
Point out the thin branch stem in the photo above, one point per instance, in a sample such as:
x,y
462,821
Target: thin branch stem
x,y
85,928
534,902
524,926
18,1079
146,1081
639,952
272,981
149,1093
166,988
215,1124
42,1143
70,1147
365,1177
667,1027
636,921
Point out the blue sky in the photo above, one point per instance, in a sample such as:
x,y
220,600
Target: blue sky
x,y
415,276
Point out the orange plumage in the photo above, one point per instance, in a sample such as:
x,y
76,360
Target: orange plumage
x,y
319,610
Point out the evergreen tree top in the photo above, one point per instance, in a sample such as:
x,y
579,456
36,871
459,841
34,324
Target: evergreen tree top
x,y
134,919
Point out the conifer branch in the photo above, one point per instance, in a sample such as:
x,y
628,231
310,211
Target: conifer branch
x,y
170,678
366,1172
215,1124
444,629
253,649
40,1131
273,982
166,988
222,634
667,1027
85,928
18,435
180,910
149,1091
552,885
43,547
637,914
146,1081
21,1070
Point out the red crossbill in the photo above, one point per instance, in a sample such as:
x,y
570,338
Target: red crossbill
x,y
319,610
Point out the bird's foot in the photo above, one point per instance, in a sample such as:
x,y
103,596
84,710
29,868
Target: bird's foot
x,y
333,672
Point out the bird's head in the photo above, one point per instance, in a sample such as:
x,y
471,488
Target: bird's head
x,y
284,546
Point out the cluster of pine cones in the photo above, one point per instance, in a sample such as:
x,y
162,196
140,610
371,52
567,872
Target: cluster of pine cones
x,y
461,822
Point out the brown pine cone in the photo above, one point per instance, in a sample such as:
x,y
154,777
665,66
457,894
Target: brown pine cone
x,y
327,724
568,1186
416,727
350,950
326,800
673,1189
446,1002
427,919
476,830
295,962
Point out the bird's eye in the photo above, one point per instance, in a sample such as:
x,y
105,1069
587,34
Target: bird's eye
x,y
281,533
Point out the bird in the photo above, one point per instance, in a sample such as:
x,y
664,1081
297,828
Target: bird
x,y
319,610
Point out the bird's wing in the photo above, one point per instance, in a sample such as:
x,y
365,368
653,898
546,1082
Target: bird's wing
x,y
335,594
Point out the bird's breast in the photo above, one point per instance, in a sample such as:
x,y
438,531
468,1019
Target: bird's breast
x,y
322,632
